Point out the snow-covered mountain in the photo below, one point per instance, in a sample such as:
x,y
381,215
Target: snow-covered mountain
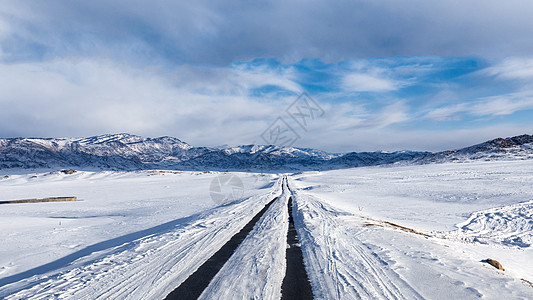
x,y
110,151
513,148
131,152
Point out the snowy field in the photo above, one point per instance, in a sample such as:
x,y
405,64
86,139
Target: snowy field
x,y
123,226
403,232
452,217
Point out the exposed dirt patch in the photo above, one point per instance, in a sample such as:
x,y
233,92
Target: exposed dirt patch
x,y
385,224
50,199
527,282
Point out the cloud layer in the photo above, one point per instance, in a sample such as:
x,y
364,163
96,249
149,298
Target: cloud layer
x,y
223,32
405,103
211,73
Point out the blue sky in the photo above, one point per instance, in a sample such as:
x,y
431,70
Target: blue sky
x,y
389,76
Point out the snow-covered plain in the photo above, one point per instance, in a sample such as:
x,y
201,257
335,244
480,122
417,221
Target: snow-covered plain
x,y
395,232
451,218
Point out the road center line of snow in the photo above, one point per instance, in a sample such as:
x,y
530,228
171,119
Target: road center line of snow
x,y
195,284
296,284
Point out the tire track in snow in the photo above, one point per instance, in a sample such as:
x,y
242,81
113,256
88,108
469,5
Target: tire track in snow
x,y
257,267
268,264
196,283
296,283
248,258
341,266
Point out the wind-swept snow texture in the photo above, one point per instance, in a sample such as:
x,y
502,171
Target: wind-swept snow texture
x,y
510,225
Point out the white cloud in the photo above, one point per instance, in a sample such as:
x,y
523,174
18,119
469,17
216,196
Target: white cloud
x,y
360,82
502,105
493,106
512,68
393,114
394,139
5,29
447,113
65,98
370,76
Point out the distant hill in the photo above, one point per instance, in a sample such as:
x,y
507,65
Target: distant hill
x,y
513,148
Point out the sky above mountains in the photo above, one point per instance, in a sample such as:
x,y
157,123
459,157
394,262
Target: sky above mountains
x,y
377,75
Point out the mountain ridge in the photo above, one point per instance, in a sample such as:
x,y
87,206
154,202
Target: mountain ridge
x,y
125,151
517,147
